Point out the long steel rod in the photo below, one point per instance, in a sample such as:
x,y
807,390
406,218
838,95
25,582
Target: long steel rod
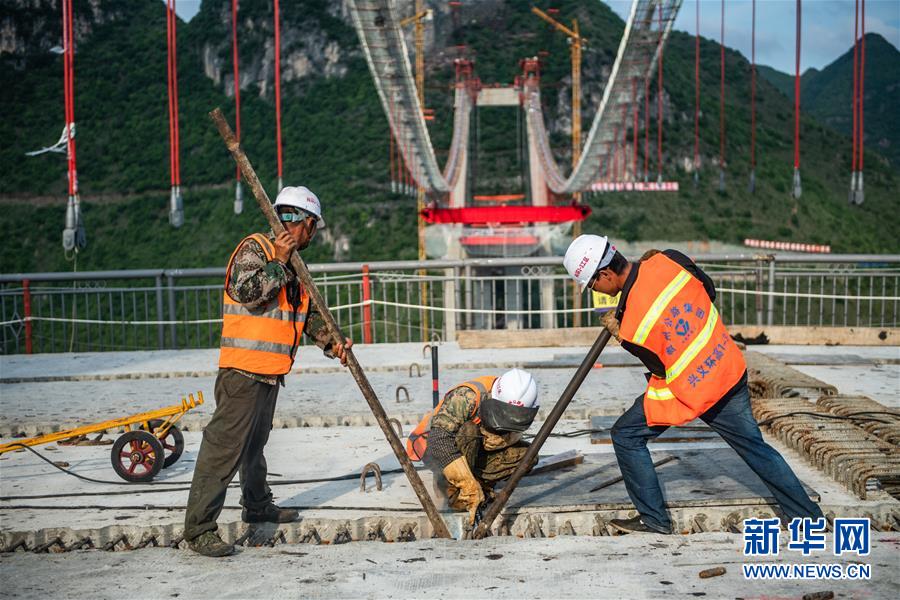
x,y
265,205
525,465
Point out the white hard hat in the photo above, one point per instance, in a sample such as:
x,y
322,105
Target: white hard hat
x,y
300,197
517,388
587,254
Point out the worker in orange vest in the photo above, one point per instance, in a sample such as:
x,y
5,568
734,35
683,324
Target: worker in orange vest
x,y
473,438
266,311
667,319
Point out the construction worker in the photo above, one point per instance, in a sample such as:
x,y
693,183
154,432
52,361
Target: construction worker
x,y
473,438
667,319
266,311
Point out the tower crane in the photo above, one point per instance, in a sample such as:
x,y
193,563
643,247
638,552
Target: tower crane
x,y
576,45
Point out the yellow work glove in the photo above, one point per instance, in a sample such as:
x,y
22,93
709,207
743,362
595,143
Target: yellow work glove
x,y
610,321
460,476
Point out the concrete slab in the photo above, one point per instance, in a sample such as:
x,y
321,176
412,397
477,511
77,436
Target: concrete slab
x,y
797,354
707,477
175,363
879,382
313,399
104,511
628,567
66,390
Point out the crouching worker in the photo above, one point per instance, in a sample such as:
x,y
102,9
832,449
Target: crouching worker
x,y
473,439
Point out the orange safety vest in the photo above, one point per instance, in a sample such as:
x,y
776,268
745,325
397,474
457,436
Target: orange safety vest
x,y
669,312
417,442
262,341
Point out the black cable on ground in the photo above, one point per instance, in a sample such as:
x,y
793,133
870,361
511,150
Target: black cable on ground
x,y
88,479
144,490
346,477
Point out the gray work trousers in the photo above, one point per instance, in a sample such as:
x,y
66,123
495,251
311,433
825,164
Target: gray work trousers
x,y
233,440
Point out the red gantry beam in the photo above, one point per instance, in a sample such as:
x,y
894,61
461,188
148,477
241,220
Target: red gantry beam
x,y
506,214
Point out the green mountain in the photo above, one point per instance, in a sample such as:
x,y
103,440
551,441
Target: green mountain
x,y
827,94
782,81
336,140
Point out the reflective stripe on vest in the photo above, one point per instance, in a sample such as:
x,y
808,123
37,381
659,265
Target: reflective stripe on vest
x,y
658,392
417,442
261,341
273,313
669,312
699,343
659,305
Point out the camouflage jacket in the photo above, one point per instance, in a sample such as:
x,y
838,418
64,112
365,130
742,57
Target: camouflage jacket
x,y
459,406
256,281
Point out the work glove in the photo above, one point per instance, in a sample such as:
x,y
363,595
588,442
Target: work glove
x,y
495,441
470,495
610,321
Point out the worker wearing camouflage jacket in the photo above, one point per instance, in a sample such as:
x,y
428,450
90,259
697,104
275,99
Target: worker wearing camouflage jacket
x,y
473,438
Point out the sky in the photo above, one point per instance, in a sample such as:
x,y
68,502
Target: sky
x,y
827,26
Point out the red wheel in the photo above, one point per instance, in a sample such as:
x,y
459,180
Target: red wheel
x,y
172,442
137,456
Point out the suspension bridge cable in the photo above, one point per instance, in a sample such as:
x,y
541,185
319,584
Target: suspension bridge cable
x,y
391,146
238,193
753,98
634,129
278,92
659,100
855,106
176,212
697,94
797,189
646,128
169,93
175,98
69,94
861,132
73,233
722,101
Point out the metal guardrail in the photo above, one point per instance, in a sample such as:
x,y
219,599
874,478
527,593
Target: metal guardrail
x,y
380,301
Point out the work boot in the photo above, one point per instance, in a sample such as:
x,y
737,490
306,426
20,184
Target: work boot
x,y
209,543
270,514
635,525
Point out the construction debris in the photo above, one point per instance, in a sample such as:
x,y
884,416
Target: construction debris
x,y
569,458
714,572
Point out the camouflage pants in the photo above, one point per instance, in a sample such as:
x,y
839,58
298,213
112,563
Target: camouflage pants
x,y
488,466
